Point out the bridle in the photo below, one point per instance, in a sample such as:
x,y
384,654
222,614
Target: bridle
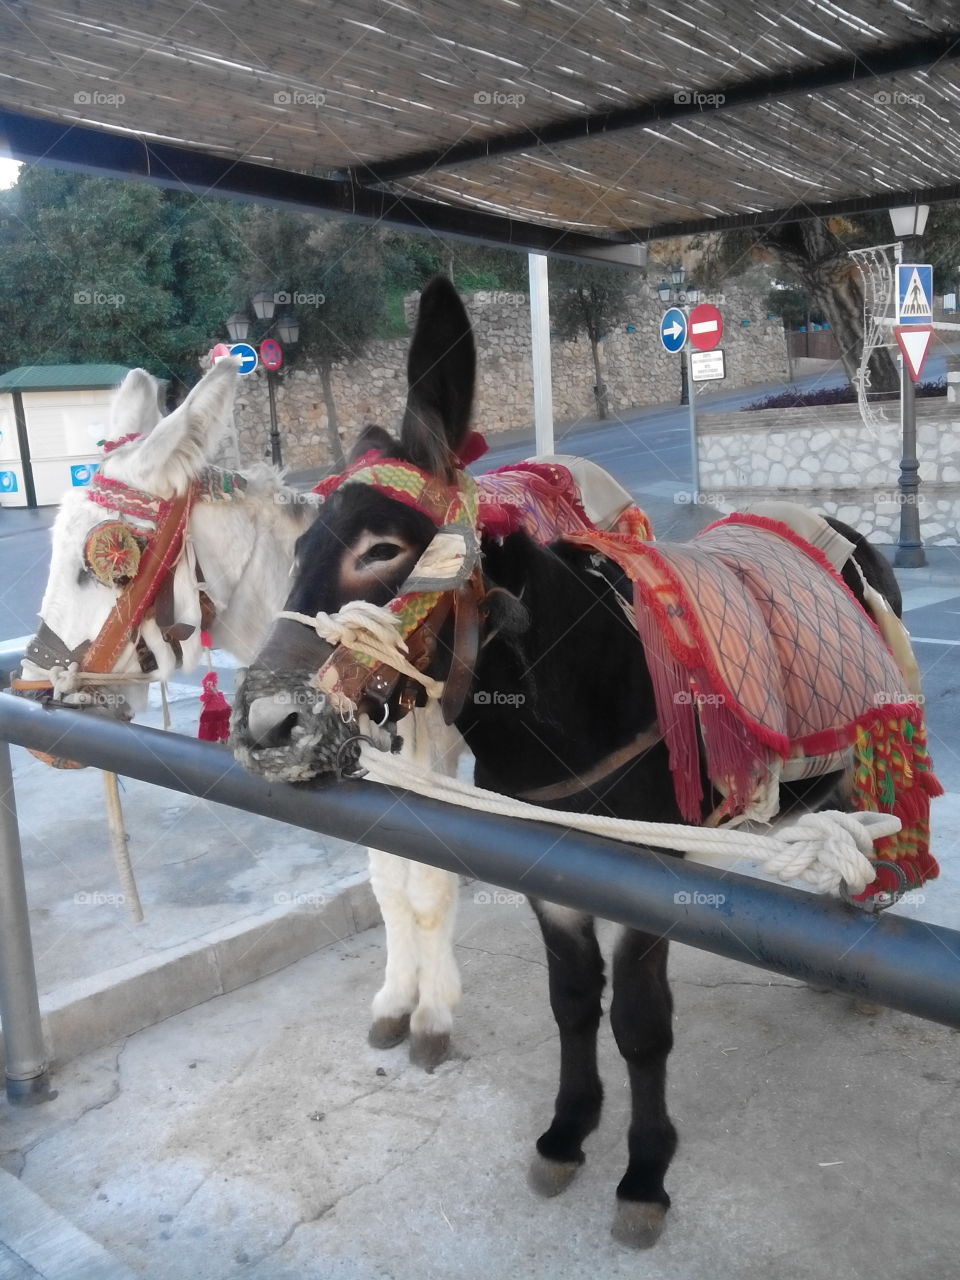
x,y
382,656
138,552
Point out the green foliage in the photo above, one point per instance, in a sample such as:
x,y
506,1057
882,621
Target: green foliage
x,y
793,303
587,300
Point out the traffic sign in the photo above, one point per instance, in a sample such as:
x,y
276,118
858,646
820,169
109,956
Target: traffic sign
x,y
706,327
914,293
247,354
219,352
707,366
914,342
271,354
673,329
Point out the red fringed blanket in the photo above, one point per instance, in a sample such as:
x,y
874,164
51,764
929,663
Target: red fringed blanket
x,y
751,635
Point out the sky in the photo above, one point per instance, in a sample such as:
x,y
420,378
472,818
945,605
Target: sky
x,y
8,172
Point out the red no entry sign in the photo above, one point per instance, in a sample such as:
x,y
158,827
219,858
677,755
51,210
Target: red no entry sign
x,y
706,327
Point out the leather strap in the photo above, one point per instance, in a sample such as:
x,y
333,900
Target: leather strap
x,y
608,765
466,646
136,596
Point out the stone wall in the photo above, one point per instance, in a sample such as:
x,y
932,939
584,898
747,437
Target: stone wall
x,y
826,457
637,371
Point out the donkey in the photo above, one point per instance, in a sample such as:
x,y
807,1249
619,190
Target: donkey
x,y
244,546
572,691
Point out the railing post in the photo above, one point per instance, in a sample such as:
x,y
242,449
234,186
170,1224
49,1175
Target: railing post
x,y
24,1053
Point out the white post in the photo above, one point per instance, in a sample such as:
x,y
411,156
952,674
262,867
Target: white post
x,y
692,405
540,336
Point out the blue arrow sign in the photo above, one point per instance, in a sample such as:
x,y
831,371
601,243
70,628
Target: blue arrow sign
x,y
673,329
914,293
248,356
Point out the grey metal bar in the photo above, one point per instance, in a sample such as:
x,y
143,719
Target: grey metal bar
x,y
906,964
25,1059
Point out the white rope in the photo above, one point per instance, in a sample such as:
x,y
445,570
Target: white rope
x,y
819,848
371,630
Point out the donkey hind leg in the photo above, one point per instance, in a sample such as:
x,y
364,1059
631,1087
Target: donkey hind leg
x,y
640,1015
575,968
432,895
397,998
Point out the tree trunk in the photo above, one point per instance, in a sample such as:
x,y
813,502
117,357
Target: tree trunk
x,y
333,430
599,390
834,281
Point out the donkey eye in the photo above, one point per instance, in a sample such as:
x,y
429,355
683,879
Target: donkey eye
x,y
382,551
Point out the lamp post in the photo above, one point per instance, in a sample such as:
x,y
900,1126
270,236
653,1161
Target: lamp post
x,y
672,293
288,332
909,223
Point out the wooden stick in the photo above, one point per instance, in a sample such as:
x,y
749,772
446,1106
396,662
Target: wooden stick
x,y
119,842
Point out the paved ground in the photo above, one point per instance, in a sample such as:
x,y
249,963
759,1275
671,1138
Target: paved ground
x,y
258,1137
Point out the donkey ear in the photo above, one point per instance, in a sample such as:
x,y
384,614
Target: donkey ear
x,y
135,407
175,452
372,437
441,371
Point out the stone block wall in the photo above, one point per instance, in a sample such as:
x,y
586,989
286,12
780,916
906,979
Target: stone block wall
x,y
827,458
637,371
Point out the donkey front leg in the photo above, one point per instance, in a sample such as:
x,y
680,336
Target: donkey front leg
x,y
397,998
640,1014
575,967
432,895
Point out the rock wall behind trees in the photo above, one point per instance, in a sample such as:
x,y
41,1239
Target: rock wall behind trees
x,y
637,370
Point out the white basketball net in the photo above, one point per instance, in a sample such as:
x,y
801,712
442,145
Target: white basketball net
x,y
877,274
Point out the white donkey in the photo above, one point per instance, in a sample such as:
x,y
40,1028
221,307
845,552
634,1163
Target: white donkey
x,y
245,547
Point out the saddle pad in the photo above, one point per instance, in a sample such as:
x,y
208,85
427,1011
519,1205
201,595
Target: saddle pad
x,y
545,501
751,636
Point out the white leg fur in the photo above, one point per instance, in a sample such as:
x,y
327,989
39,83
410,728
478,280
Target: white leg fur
x,y
388,878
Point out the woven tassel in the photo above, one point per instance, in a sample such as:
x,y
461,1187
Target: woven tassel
x,y
215,716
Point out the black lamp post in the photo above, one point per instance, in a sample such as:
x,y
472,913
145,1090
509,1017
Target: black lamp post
x,y
909,223
674,294
288,332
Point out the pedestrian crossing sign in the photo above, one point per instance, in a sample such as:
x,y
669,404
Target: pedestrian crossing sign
x,y
914,293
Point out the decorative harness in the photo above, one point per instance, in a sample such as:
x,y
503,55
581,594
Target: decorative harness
x,y
137,552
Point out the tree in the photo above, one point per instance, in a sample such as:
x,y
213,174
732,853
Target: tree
x,y
331,276
591,300
97,269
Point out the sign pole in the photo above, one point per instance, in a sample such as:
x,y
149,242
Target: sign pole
x,y
909,553
540,342
692,411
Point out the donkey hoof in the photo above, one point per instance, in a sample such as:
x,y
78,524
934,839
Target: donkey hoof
x,y
384,1033
549,1177
638,1223
429,1048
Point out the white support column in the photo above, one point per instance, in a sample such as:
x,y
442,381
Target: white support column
x,y
540,335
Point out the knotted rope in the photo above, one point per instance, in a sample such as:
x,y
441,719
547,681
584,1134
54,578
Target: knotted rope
x,y
370,630
821,849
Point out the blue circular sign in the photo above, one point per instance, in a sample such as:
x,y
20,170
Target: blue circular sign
x,y
673,329
248,356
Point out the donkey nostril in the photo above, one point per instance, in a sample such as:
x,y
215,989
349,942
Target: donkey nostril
x,y
271,721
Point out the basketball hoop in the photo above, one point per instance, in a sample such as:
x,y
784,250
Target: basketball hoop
x,y
876,266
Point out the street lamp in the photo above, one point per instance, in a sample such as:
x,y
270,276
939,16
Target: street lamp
x,y
678,293
288,332
909,223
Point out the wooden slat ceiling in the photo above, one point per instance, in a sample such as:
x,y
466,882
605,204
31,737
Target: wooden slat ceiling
x,y
345,88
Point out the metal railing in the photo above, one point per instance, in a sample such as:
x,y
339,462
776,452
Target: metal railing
x,y
903,963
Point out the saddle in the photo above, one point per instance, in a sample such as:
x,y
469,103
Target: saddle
x,y
761,657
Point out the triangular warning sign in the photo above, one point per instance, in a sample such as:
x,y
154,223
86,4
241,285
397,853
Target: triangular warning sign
x,y
914,342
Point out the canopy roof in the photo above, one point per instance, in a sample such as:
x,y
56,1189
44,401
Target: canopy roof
x,y
552,124
63,377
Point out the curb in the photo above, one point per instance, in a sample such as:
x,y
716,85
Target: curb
x,y
93,1012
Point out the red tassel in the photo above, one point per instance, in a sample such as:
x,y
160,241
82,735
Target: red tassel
x,y
215,716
